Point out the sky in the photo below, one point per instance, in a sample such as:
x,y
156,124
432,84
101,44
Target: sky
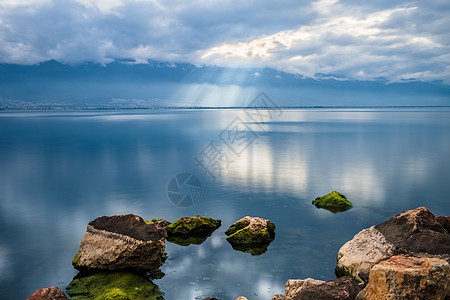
x,y
343,39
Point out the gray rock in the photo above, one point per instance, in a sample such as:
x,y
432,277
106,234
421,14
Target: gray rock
x,y
122,242
359,255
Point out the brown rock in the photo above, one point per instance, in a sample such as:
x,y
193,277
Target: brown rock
x,y
341,288
120,243
404,278
48,293
295,286
417,231
444,221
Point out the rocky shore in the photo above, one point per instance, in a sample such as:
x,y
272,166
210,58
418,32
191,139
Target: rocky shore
x,y
405,257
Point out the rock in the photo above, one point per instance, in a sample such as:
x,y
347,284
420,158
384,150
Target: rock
x,y
160,223
251,234
312,289
295,286
359,255
191,230
113,285
334,202
48,293
402,277
417,231
122,242
444,221
241,298
341,288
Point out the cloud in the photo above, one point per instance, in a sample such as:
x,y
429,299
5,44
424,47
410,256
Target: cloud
x,y
345,39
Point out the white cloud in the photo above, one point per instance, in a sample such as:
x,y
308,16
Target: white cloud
x,y
343,38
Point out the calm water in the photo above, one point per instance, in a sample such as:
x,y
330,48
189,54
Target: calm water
x,y
59,170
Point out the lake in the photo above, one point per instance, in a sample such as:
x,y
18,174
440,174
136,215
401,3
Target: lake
x,y
60,170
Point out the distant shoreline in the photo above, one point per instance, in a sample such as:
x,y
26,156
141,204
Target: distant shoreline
x,y
43,108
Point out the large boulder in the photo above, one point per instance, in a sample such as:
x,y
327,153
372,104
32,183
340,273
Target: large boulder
x,y
251,234
191,230
113,285
122,242
311,289
359,255
334,202
48,293
415,232
402,277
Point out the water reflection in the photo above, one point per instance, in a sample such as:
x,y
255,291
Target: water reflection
x,y
58,171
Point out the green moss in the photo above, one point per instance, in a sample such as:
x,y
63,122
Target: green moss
x,y
254,242
237,226
334,202
76,261
113,285
191,230
153,221
340,272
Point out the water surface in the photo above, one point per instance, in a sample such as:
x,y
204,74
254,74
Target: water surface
x,y
59,170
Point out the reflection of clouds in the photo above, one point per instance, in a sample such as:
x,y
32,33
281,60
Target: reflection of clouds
x,y
51,186
4,262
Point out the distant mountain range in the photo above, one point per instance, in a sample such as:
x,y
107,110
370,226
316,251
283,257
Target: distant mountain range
x,y
156,84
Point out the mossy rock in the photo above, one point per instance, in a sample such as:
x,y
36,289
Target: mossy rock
x,y
334,202
193,226
252,235
113,285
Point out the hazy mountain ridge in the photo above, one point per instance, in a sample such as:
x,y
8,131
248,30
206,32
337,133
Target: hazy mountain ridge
x,y
92,84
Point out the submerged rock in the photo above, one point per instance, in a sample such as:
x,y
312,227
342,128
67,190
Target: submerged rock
x,y
48,293
402,277
122,242
359,255
334,202
311,289
113,285
191,230
251,234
